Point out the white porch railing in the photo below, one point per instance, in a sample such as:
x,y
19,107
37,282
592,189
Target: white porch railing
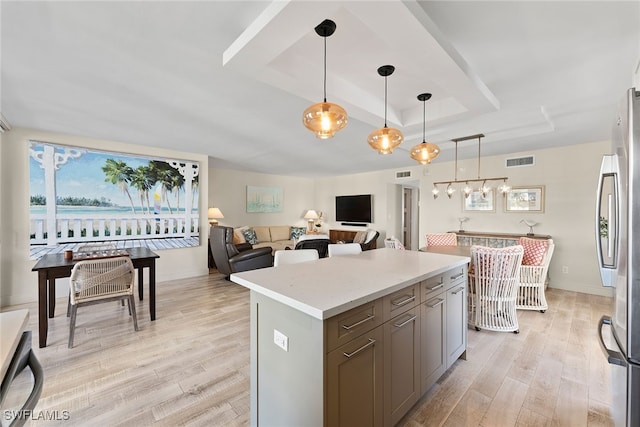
x,y
104,227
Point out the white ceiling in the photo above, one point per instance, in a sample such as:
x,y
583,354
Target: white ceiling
x,y
231,78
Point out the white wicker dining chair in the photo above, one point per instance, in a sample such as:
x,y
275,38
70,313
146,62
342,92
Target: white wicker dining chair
x,y
101,280
533,278
493,287
393,243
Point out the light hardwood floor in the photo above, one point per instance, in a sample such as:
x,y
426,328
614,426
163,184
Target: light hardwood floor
x,y
191,366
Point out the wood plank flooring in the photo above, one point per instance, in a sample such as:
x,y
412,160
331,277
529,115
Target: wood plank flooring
x,y
191,366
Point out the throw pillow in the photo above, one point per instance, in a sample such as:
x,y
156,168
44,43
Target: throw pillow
x,y
250,235
534,250
296,232
360,237
238,237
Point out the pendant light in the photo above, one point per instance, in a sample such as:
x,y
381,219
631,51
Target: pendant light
x,y
385,139
484,189
424,152
325,118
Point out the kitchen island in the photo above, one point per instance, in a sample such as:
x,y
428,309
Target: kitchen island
x,y
353,340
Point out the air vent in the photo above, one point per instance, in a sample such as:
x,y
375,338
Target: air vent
x,y
403,174
517,162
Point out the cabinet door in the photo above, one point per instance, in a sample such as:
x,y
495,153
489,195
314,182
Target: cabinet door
x,y
355,383
456,324
401,365
433,361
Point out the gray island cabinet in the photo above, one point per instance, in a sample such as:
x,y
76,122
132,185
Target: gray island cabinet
x,y
353,340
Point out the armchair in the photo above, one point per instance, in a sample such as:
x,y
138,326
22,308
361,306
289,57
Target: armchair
x,y
230,259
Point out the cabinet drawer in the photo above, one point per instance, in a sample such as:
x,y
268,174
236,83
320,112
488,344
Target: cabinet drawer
x,y
344,327
432,286
455,276
401,301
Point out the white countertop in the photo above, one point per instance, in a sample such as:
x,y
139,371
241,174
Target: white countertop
x,y
331,286
12,324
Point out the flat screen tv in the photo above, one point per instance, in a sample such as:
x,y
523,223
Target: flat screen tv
x,y
354,208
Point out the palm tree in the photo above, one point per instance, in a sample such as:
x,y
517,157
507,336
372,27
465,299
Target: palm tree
x,y
142,181
162,173
117,172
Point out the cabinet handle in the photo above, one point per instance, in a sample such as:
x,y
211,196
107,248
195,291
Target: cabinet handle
x,y
440,302
353,353
407,300
438,286
458,276
349,327
457,291
400,325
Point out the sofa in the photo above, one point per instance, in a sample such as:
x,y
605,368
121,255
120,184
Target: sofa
x,y
278,237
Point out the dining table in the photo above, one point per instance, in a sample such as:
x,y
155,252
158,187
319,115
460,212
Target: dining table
x,y
54,266
448,250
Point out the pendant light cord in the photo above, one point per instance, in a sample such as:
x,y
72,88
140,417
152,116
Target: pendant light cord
x,y
424,119
385,101
478,157
325,68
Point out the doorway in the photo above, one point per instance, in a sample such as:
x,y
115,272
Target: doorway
x,y
409,217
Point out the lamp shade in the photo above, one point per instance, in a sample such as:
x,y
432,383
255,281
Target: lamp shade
x,y
425,152
385,139
311,214
324,119
214,213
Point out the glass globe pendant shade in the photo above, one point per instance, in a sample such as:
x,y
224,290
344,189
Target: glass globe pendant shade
x,y
385,140
450,190
424,152
324,119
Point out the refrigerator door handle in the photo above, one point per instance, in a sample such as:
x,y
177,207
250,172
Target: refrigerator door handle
x,y
606,223
613,357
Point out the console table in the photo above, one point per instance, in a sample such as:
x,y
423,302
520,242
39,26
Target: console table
x,y
493,240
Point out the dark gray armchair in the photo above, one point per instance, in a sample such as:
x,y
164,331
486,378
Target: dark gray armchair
x,y
229,259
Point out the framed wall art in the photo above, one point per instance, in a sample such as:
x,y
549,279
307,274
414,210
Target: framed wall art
x,y
476,202
264,199
524,199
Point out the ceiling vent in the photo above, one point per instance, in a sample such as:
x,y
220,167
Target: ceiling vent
x,y
403,174
517,162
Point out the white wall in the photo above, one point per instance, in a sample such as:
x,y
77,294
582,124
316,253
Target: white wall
x,y
228,192
569,175
18,284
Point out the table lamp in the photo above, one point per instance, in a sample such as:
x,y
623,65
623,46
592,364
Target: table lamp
x,y
214,214
311,216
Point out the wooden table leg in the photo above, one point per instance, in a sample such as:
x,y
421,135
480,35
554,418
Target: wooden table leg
x,y
140,283
152,289
43,321
52,298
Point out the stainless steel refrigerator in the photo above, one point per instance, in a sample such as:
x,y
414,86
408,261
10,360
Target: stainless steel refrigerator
x,y
618,244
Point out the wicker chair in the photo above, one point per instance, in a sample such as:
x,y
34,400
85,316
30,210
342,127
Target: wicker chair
x,y
493,287
393,243
442,239
86,248
533,282
101,280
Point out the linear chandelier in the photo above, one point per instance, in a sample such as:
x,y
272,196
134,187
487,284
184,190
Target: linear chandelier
x,y
467,190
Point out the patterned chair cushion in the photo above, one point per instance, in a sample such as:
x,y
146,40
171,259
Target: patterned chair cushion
x,y
296,232
534,250
250,235
442,239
